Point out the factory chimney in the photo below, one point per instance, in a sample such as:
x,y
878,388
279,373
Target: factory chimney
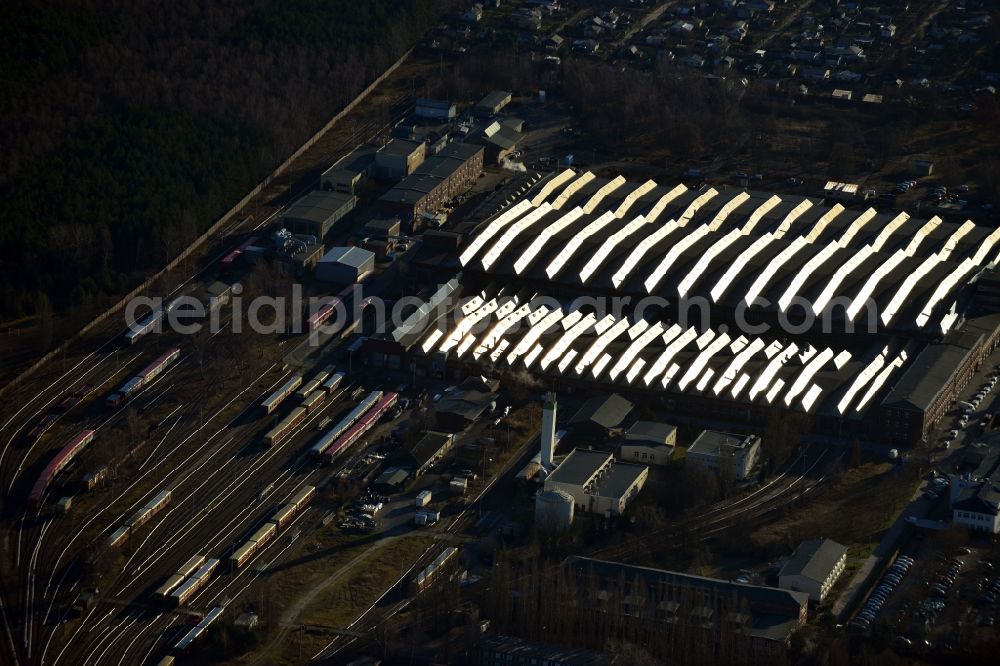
x,y
548,431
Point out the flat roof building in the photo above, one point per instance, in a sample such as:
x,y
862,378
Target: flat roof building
x,y
317,212
346,173
439,179
722,451
596,482
645,453
398,159
814,568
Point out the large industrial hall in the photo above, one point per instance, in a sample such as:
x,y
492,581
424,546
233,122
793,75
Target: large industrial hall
x,y
723,303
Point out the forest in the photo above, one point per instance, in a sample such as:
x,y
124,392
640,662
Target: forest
x,y
129,126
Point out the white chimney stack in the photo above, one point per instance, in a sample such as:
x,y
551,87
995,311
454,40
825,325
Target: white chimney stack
x,y
549,431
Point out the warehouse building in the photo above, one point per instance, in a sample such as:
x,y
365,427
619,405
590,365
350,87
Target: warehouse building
x,y
317,212
766,616
814,568
347,173
596,482
434,109
398,159
492,104
345,265
430,448
934,380
722,451
438,180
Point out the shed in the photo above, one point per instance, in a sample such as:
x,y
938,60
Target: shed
x,y
345,265
392,480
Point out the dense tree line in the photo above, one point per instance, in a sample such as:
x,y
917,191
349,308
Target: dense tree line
x,y
128,126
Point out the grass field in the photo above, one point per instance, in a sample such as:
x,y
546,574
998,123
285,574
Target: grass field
x,y
855,510
340,603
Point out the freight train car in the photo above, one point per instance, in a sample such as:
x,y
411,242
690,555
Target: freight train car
x,y
336,431
355,432
197,631
57,464
272,401
327,309
148,323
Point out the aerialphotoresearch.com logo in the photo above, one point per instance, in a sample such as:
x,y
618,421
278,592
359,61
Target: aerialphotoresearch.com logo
x,y
322,317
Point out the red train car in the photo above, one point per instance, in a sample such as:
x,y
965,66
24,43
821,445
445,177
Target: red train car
x,y
56,465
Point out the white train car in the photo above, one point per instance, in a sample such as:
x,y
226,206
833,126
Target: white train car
x,y
336,431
